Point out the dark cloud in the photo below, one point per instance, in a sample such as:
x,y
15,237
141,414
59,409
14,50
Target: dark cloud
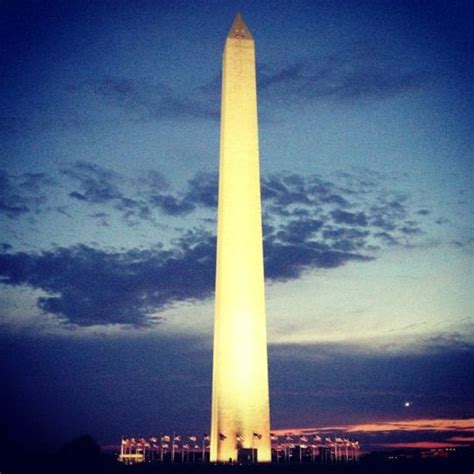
x,y
332,378
288,261
203,190
387,213
344,217
347,76
97,185
145,100
102,218
299,231
285,190
346,239
285,75
134,210
310,385
154,181
386,238
296,207
88,286
383,223
171,205
306,228
344,232
411,230
351,214
23,193
295,195
423,212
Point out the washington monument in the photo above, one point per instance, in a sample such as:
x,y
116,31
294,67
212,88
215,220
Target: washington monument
x,y
240,404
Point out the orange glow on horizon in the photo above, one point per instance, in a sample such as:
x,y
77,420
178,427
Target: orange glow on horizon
x,y
424,424
416,425
423,445
462,439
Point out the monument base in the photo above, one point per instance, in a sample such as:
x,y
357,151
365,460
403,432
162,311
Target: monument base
x,y
247,455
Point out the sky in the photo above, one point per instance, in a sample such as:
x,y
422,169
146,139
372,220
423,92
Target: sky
x,y
109,145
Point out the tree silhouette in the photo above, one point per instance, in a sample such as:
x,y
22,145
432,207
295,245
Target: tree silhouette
x,y
81,451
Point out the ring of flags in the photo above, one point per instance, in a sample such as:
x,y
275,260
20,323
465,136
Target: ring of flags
x,y
192,448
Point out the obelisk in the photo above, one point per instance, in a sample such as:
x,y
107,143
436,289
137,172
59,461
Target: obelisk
x,y
240,402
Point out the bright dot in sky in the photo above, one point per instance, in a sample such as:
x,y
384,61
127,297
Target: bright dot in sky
x,y
407,404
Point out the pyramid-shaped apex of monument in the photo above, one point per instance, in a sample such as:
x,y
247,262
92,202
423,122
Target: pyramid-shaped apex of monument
x,y
239,29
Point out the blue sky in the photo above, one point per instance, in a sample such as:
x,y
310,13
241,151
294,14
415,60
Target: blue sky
x,y
109,146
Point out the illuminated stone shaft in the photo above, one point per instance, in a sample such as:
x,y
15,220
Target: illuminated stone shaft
x,y
240,402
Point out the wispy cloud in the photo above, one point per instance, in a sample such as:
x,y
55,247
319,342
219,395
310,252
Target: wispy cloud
x,y
97,185
361,74
146,100
24,193
346,214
